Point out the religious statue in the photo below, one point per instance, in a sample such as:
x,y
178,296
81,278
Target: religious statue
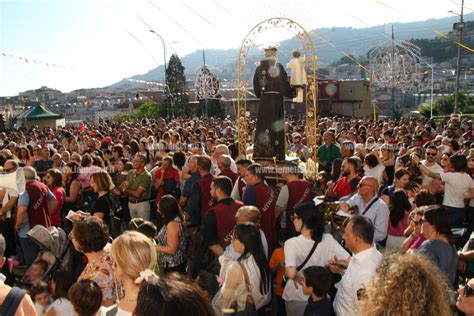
x,y
271,85
298,78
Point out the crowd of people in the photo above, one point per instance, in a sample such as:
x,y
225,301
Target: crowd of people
x,y
163,218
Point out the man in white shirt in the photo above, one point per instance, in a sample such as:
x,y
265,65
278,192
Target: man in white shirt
x,y
240,184
220,150
9,199
431,164
361,268
370,206
251,214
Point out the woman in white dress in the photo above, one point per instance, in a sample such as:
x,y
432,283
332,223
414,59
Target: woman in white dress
x,y
247,285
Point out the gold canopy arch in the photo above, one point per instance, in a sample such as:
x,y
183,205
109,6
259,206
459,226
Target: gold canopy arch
x,y
310,89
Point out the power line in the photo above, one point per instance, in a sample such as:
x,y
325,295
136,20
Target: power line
x,y
141,44
176,22
198,14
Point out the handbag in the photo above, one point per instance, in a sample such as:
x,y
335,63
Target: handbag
x,y
114,222
285,279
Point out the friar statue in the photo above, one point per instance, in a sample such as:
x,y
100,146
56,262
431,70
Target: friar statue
x,y
271,85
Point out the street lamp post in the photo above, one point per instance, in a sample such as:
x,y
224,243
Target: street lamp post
x,y
165,78
459,27
432,85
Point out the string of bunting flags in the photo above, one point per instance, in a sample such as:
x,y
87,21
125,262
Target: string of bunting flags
x,y
29,61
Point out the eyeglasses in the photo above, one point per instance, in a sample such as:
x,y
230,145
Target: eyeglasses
x,y
293,217
361,184
430,154
468,291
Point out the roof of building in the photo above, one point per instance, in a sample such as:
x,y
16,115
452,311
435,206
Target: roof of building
x,y
38,113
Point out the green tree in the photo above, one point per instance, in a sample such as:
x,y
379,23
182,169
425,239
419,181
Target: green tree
x,y
121,117
150,110
214,108
178,97
445,105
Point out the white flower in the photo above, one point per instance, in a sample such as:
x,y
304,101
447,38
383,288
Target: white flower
x,y
148,276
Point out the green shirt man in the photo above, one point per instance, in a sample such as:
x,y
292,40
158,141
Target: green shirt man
x,y
328,152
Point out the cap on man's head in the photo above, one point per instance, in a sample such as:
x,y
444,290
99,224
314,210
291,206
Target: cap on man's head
x,y
270,46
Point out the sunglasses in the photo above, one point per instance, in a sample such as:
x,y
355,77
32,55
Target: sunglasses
x,y
468,291
431,154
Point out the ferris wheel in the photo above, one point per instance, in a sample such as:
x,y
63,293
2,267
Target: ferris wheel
x,y
396,63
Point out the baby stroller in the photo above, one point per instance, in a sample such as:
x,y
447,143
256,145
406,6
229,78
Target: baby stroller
x,y
54,249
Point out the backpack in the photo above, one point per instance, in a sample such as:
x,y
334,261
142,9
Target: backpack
x,y
114,221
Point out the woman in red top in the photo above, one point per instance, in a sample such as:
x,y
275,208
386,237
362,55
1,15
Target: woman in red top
x,y
53,180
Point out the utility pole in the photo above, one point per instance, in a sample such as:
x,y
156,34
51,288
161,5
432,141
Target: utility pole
x,y
204,64
459,27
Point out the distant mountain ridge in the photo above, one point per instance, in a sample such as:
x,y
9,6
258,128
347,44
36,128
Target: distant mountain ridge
x,y
353,41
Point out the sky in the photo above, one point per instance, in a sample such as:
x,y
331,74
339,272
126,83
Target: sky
x,y
95,43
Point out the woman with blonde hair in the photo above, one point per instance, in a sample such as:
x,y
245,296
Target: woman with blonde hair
x,y
134,258
406,285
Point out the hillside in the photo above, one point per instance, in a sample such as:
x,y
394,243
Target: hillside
x,y
441,49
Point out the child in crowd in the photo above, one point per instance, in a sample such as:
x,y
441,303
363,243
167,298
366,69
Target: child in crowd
x,y
40,295
317,283
86,297
207,282
148,229
60,285
37,271
135,223
277,264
